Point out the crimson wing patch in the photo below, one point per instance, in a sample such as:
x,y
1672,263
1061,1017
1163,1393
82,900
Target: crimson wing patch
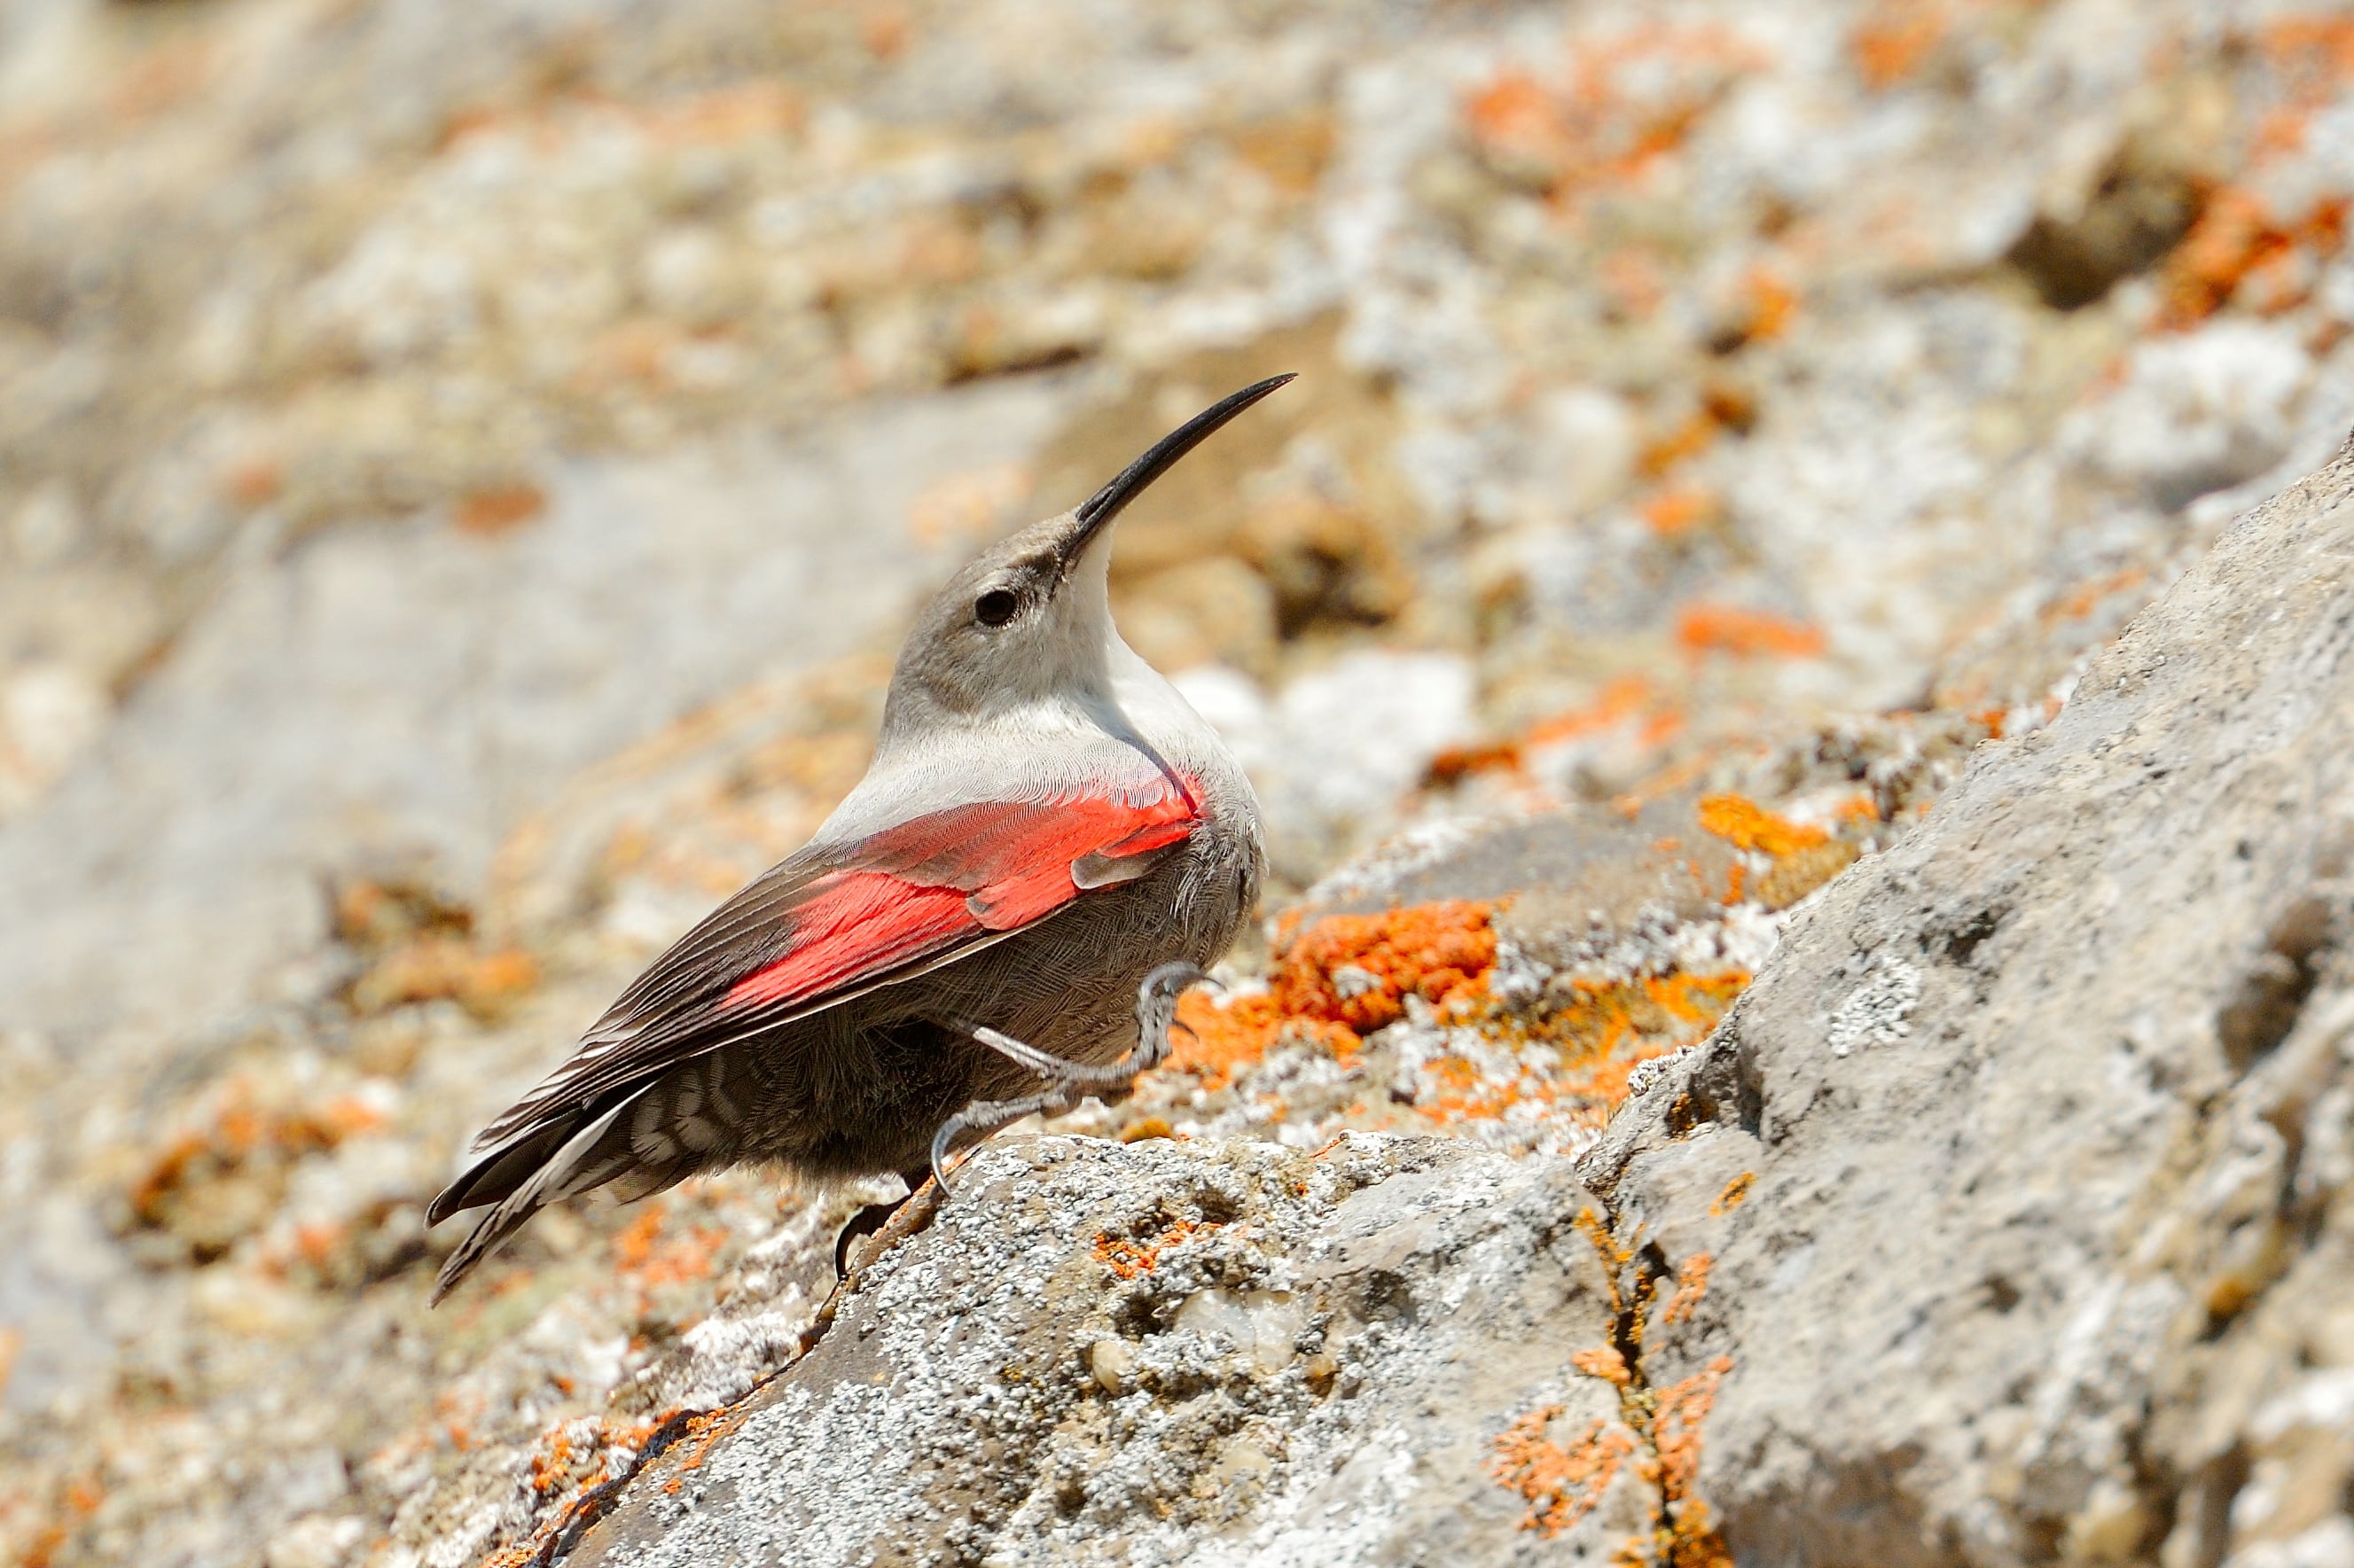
x,y
944,878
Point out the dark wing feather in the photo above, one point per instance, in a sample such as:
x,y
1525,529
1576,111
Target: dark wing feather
x,y
827,925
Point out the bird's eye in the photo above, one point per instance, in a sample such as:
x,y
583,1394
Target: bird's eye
x,y
995,607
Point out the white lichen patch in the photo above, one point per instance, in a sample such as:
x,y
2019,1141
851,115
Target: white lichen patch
x,y
1880,1010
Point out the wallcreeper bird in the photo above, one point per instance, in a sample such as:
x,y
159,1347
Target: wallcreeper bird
x,y
1049,844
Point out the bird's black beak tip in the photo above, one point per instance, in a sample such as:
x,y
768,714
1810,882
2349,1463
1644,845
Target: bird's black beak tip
x,y
1132,481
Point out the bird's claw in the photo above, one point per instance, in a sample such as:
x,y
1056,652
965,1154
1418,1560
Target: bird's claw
x,y
1156,1009
987,1117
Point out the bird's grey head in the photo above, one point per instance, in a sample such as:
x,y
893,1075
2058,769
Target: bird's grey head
x,y
1028,620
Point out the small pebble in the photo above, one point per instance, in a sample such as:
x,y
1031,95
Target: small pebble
x,y
1111,1361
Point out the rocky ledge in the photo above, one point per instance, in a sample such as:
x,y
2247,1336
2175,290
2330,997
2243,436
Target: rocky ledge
x,y
2006,1218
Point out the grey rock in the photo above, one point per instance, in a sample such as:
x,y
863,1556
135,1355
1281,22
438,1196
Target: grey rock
x,y
1314,1356
2041,1119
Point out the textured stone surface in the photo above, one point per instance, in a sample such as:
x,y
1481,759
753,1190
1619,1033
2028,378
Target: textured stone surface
x,y
462,462
2004,1221
2046,1114
1160,1353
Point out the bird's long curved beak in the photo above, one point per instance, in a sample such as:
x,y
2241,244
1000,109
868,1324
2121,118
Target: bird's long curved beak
x,y
1096,511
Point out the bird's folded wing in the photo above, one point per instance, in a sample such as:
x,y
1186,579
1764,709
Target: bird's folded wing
x,y
836,921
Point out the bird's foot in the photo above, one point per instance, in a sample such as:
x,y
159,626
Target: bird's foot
x,y
985,1117
1156,1010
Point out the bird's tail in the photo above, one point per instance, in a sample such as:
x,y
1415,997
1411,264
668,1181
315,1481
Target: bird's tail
x,y
525,1174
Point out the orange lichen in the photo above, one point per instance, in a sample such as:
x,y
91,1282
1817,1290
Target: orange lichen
x,y
708,1430
1771,303
551,1465
1679,510
2085,598
1709,628
1688,439
1676,1421
2323,46
1691,1285
1890,45
1602,1361
316,1244
1129,1256
256,482
1745,825
439,969
1665,1423
1602,1033
1339,980
423,946
1440,952
1214,1042
77,1499
1513,114
885,29
1623,104
1624,702
1621,698
1559,1485
240,1134
1457,762
572,1461
2237,235
1858,807
499,509
642,1252
1736,1193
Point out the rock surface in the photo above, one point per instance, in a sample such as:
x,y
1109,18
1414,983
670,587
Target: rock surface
x,y
463,466
2005,1220
1165,1352
2047,1116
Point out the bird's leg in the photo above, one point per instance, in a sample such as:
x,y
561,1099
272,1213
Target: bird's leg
x,y
1155,1015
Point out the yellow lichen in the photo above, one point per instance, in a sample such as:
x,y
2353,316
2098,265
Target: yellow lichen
x,y
1339,980
1692,1284
1561,1484
1747,825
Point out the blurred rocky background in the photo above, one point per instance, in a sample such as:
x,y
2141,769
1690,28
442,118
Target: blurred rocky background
x,y
463,471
